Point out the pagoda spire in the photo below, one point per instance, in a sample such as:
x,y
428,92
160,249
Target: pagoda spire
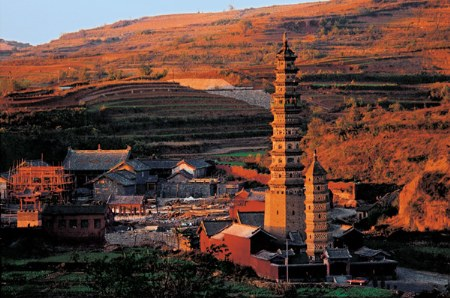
x,y
284,207
317,205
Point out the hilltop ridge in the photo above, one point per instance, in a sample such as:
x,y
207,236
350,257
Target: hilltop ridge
x,y
364,36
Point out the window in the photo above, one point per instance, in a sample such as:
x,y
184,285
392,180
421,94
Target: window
x,y
293,212
73,223
84,223
97,223
61,223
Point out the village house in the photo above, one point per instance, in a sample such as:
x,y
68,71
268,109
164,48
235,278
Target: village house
x,y
337,261
128,178
77,223
160,168
195,168
350,238
86,165
126,205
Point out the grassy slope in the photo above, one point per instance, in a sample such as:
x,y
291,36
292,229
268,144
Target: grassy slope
x,y
380,146
336,36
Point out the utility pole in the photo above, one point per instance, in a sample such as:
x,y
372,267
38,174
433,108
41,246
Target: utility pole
x,y
286,262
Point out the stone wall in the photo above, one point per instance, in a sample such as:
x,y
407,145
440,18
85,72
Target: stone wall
x,y
146,238
185,190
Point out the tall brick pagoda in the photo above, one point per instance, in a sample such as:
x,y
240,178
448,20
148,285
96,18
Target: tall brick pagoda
x,y
317,205
284,204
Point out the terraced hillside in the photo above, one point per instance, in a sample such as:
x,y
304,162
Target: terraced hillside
x,y
154,118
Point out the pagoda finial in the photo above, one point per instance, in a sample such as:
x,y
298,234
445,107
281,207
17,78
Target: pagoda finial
x,y
285,41
315,154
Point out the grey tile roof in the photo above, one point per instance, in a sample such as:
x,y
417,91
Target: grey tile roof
x,y
73,210
256,195
213,227
35,163
266,255
119,200
160,164
337,253
94,160
198,163
183,173
347,232
122,177
315,169
251,218
138,165
369,253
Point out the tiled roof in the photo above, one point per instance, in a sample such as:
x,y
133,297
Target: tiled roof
x,y
119,200
369,253
337,253
266,255
213,227
238,230
183,173
196,163
34,163
315,169
250,194
138,165
339,233
94,160
68,209
160,164
251,218
124,178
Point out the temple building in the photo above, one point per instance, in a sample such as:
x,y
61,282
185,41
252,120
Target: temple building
x,y
284,202
317,205
296,212
86,165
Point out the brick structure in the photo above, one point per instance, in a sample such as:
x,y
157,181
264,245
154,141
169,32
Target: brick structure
x,y
317,205
284,206
78,223
28,218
